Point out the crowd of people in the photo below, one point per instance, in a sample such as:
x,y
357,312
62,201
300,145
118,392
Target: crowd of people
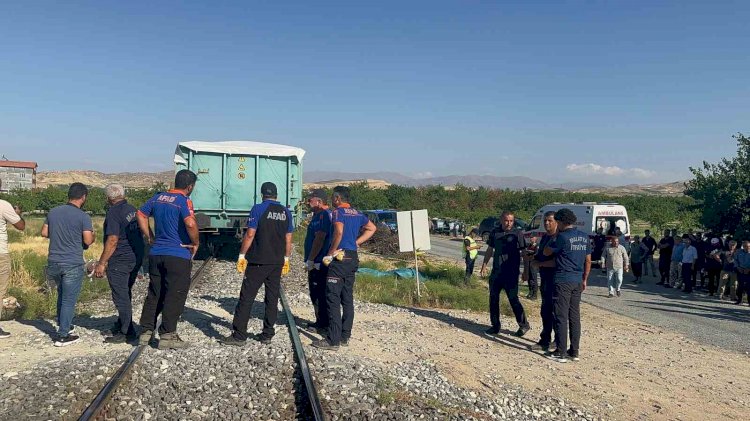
x,y
559,263
702,261
331,261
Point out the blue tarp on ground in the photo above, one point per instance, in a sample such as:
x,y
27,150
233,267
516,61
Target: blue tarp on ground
x,y
401,273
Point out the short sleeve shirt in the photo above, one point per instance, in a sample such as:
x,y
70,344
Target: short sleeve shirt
x,y
257,212
650,244
689,255
353,222
272,222
570,250
8,216
507,246
122,222
169,210
320,222
547,240
66,225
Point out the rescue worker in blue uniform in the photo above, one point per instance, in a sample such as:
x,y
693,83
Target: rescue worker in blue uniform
x,y
170,258
317,243
350,229
546,265
504,247
264,258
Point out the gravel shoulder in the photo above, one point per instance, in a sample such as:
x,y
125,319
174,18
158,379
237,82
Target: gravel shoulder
x,y
403,363
628,370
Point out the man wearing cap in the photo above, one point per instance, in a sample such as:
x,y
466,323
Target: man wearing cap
x,y
317,243
350,229
264,258
175,241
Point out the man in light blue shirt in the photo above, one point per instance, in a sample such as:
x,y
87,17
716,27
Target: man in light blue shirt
x,y
675,266
689,256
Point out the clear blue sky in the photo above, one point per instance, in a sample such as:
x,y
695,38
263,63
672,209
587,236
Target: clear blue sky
x,y
616,92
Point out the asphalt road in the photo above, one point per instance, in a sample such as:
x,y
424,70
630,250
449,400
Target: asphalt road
x,y
696,315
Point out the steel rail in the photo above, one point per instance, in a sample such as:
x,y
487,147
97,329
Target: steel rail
x,y
94,410
312,392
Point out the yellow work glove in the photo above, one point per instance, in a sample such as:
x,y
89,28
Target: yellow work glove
x,y
241,264
338,255
285,269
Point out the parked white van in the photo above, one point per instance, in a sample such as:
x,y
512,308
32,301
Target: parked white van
x,y
591,216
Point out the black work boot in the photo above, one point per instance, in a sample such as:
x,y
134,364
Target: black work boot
x,y
324,345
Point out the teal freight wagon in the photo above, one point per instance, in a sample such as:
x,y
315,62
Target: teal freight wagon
x,y
229,178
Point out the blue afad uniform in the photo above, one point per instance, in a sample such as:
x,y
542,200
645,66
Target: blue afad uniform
x,y
316,278
169,263
506,268
340,280
547,288
570,250
271,221
123,266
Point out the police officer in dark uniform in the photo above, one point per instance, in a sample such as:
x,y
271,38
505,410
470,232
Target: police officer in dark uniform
x,y
546,265
121,259
350,229
264,258
317,243
504,247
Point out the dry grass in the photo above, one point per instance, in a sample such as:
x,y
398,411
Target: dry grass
x,y
28,281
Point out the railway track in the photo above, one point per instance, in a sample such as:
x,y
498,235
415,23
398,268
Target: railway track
x,y
98,409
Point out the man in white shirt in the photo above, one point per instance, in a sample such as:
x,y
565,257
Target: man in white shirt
x,y
9,215
689,256
617,263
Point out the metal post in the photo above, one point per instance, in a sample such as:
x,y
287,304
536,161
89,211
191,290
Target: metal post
x,y
414,247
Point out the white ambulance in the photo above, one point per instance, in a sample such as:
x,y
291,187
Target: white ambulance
x,y
591,216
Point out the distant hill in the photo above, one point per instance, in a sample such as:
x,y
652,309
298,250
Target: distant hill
x,y
668,189
328,179
99,179
489,181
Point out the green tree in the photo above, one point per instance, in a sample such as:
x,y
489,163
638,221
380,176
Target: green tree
x,y
724,191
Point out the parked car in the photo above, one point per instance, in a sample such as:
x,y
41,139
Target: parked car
x,y
489,223
386,217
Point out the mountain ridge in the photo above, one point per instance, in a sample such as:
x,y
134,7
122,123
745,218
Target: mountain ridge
x,y
377,179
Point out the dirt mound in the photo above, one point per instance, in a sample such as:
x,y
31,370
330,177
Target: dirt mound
x,y
385,243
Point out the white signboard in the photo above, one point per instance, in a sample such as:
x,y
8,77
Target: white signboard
x,y
413,230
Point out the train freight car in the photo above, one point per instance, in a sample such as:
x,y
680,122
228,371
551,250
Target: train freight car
x,y
229,178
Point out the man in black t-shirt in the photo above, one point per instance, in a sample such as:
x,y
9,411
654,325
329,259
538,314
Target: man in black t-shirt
x,y
648,262
504,247
264,258
121,260
666,246
546,265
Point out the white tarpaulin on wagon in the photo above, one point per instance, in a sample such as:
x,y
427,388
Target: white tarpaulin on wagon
x,y
239,148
